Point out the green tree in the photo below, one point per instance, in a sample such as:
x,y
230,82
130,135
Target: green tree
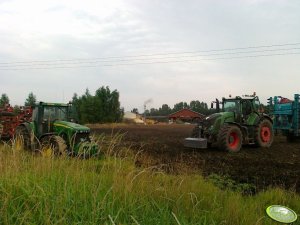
x,y
200,107
179,106
4,100
103,107
135,110
30,100
17,109
164,110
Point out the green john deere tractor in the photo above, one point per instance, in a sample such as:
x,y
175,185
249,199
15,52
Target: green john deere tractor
x,y
53,131
240,121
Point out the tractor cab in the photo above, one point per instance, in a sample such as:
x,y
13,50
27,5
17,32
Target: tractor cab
x,y
242,108
46,114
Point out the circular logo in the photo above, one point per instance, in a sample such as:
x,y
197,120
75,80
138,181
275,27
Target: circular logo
x,y
281,214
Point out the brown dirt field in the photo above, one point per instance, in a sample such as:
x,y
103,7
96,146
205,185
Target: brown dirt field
x,y
162,146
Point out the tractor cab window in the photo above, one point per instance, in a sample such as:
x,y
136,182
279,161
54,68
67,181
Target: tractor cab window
x,y
246,107
55,113
35,113
231,106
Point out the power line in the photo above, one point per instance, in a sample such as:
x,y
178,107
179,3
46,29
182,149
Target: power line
x,y
146,63
144,59
151,55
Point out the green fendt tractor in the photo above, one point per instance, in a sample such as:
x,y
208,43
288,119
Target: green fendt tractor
x,y
53,130
240,121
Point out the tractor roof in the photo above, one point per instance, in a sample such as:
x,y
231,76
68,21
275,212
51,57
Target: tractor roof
x,y
53,104
246,97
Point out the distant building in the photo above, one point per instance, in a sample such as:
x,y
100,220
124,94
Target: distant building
x,y
130,117
186,115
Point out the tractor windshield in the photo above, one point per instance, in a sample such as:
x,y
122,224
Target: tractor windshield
x,y
231,106
55,113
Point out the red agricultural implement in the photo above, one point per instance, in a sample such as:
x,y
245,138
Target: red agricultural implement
x,y
10,120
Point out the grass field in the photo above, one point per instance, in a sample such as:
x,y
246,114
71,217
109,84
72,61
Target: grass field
x,y
111,190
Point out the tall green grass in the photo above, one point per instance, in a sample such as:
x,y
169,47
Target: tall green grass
x,y
37,190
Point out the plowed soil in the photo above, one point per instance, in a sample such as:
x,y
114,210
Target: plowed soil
x,y
162,146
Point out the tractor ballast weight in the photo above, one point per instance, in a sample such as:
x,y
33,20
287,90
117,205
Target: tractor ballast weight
x,y
239,122
286,115
53,130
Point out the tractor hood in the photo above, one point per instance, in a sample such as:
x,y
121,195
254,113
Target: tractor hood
x,y
224,116
210,120
216,115
213,116
71,126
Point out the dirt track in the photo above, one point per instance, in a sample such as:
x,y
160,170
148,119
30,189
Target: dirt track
x,y
162,145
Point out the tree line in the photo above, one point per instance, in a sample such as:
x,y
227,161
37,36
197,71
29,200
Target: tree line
x,y
165,109
29,101
102,107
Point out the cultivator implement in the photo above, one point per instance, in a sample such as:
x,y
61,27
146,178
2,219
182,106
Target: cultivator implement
x,y
11,120
286,115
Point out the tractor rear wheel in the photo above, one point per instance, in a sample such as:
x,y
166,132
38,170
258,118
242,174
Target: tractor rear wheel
x,y
264,134
22,138
53,146
230,138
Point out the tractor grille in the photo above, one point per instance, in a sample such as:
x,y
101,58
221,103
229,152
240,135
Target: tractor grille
x,y
81,137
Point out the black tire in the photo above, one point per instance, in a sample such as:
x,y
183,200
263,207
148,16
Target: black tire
x,y
264,134
230,138
53,146
22,138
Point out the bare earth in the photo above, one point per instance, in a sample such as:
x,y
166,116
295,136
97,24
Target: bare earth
x,y
162,146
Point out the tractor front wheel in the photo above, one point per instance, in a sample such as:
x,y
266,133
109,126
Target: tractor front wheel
x,y
53,146
230,138
264,134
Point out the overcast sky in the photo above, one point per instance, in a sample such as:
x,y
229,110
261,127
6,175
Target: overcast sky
x,y
38,39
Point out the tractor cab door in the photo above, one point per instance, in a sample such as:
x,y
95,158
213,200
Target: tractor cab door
x,y
247,109
238,112
48,117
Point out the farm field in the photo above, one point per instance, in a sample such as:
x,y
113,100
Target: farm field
x,y
162,146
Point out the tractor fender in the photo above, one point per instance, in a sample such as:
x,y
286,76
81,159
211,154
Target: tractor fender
x,y
46,134
262,117
234,123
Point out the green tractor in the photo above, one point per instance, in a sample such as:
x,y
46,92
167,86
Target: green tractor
x,y
240,121
54,131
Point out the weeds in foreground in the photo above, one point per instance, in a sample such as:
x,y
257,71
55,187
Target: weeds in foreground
x,y
37,190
